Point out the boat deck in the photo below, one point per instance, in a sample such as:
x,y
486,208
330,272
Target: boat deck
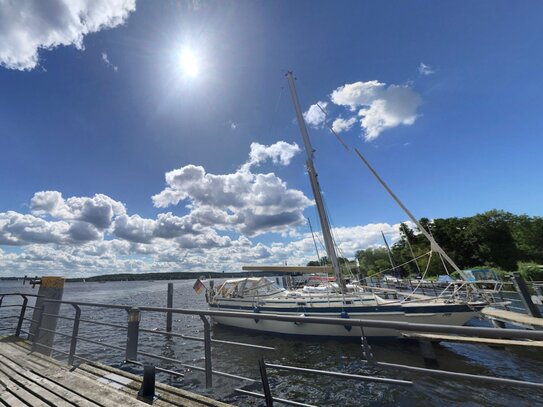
x,y
31,379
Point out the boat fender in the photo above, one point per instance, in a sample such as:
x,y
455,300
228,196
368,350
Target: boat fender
x,y
256,310
345,314
299,323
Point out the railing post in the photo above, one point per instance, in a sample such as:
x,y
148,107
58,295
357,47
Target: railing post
x,y
75,333
21,316
169,315
134,317
207,351
51,288
265,384
1,299
522,289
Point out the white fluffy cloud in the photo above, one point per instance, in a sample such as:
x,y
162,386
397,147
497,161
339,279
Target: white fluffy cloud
x,y
314,116
243,201
380,106
339,125
26,26
98,210
279,153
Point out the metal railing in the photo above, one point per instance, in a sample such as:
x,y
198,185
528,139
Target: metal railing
x,y
131,351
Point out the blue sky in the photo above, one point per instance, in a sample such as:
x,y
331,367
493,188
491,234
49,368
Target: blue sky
x,y
443,98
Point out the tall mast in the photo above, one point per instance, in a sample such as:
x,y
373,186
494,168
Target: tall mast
x,y
325,224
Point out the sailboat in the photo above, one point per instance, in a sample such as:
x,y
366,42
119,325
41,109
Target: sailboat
x,y
260,295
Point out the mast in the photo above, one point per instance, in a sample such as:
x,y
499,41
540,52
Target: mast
x,y
389,255
323,217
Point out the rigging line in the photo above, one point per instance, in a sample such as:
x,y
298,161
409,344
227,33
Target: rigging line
x,y
345,146
314,241
435,246
403,264
421,279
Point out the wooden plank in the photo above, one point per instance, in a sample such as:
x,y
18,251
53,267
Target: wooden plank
x,y
289,269
66,386
168,394
61,392
513,317
20,392
93,390
466,339
10,400
36,389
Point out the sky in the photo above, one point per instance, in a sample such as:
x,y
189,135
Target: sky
x,y
158,136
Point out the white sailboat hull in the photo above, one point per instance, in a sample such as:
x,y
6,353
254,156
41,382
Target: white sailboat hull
x,y
323,330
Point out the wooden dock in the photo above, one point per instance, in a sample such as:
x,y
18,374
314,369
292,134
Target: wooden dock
x,y
31,379
474,340
516,318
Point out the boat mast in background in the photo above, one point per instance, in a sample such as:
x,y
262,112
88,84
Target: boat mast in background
x,y
325,224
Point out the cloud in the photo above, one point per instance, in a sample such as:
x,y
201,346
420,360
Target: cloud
x,y
134,228
314,116
242,201
379,106
339,125
279,153
109,64
17,229
28,26
98,210
425,69
232,125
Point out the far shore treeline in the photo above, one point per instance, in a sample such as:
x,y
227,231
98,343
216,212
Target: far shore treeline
x,y
495,239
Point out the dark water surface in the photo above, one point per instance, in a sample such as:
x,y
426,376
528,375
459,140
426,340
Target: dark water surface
x,y
344,356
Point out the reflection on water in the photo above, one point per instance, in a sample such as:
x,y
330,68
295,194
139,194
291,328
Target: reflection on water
x,y
345,356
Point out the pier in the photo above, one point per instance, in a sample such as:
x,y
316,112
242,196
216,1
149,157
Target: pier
x,y
515,318
30,379
30,376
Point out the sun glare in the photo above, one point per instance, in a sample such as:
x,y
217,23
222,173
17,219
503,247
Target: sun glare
x,y
189,62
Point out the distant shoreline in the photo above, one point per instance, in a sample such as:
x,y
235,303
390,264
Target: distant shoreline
x,y
178,275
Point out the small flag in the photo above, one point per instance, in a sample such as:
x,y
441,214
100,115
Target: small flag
x,y
198,286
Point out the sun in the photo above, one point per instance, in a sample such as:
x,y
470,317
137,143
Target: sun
x,y
189,62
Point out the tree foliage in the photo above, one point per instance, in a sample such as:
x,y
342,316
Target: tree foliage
x,y
494,239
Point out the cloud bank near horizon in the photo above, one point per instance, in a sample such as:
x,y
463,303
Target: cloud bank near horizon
x,y
224,214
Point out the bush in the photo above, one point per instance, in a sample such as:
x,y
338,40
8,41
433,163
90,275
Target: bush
x,y
530,271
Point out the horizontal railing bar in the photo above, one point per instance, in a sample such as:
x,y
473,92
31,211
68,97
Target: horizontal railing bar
x,y
30,320
395,325
458,375
11,316
201,369
339,374
160,369
54,332
11,306
89,321
20,294
92,304
80,338
277,399
195,338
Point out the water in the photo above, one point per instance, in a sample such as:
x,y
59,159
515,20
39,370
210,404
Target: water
x,y
344,356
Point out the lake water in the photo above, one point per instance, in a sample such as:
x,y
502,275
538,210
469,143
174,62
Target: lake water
x,y
344,356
